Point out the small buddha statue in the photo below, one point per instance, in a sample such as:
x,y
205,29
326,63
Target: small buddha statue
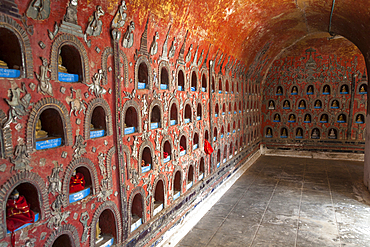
x,y
269,132
279,90
326,89
61,68
323,118
341,118
307,118
301,104
343,90
315,134
332,134
310,90
98,236
292,118
286,104
335,104
18,212
3,64
294,91
39,132
299,132
317,104
359,119
142,163
284,132
77,182
277,118
362,89
271,105
92,126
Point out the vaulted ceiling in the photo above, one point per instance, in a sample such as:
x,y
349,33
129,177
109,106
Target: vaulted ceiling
x,y
245,28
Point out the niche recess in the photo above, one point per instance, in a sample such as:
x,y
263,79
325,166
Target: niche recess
x,y
222,132
218,158
227,87
188,112
220,86
195,141
158,197
10,54
177,185
164,82
217,110
167,151
180,81
98,126
49,131
283,133
201,169
299,133
204,83
173,114
199,112
223,109
131,121
63,241
190,180
230,108
183,146
231,150
228,129
80,185
137,212
146,160
213,84
155,120
225,154
108,232
360,119
215,134
206,135
194,80
69,64
315,133
143,78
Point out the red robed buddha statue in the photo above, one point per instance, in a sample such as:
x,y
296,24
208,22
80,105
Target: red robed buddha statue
x,y
77,182
165,155
207,147
18,213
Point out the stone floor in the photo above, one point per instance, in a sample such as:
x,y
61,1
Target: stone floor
x,y
282,201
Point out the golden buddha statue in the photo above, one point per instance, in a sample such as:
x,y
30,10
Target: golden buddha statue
x,y
323,118
269,132
307,119
92,126
294,90
310,90
335,103
362,89
326,89
299,132
284,132
61,68
359,119
317,104
301,104
3,64
271,105
341,118
286,104
292,118
39,132
277,118
343,90
98,236
279,90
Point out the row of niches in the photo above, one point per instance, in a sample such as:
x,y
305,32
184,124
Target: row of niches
x,y
301,133
322,118
326,89
226,89
230,109
302,104
219,133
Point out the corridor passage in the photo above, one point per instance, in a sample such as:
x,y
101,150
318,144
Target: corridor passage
x,y
283,201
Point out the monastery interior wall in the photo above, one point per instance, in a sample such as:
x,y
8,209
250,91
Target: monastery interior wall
x,y
105,115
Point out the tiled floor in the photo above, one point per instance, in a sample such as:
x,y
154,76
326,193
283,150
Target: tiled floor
x,y
283,201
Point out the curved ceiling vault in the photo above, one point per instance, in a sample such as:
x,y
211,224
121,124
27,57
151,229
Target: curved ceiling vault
x,y
247,28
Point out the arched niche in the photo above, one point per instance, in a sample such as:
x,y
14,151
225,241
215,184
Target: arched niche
x,y
332,133
54,119
196,143
74,58
220,85
230,108
235,108
146,156
227,86
283,133
108,53
292,118
108,219
228,129
334,104
202,169
15,48
217,110
183,145
174,111
64,236
342,118
188,113
159,195
204,82
299,133
143,77
315,133
131,117
98,119
177,182
324,118
164,76
286,104
137,208
344,89
194,81
223,108
180,78
213,84
279,91
190,177
307,118
222,132
224,154
231,150
6,145
33,188
294,90
215,134
310,89
302,104
156,115
199,111
234,127
240,107
360,118
276,118
317,104
326,89
206,134
87,168
166,149
362,88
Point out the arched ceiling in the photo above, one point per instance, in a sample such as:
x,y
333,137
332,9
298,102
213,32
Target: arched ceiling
x,y
247,28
